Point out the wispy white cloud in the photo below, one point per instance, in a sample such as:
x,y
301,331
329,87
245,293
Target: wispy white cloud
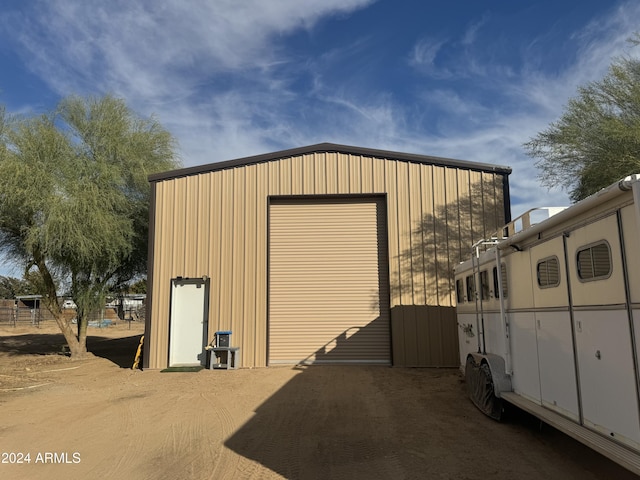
x,y
144,48
212,71
423,57
471,33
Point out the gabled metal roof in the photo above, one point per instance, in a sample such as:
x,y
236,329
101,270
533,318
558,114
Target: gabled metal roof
x,y
330,148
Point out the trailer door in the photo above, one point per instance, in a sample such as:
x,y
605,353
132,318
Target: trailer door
x,y
603,335
558,386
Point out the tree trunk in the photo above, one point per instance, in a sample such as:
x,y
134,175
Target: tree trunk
x,y
77,346
82,335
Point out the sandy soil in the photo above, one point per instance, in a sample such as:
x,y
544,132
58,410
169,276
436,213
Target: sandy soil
x,y
97,418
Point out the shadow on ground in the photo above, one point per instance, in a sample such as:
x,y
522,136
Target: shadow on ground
x,y
120,351
359,422
33,344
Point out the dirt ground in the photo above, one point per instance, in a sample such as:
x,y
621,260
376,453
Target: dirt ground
x,y
97,418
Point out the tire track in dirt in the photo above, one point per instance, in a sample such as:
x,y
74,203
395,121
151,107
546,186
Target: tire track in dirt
x,y
192,447
227,462
129,422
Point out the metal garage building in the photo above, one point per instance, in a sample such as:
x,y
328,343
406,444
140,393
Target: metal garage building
x,y
321,254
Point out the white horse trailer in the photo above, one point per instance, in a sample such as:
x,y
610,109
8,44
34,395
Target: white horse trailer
x,y
553,326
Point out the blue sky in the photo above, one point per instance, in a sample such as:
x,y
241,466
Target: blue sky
x,y
465,79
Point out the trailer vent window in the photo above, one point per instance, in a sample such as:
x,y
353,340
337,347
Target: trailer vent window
x,y
460,290
496,288
594,262
484,284
471,289
548,272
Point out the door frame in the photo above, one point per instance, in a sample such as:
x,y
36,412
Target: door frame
x,y
176,321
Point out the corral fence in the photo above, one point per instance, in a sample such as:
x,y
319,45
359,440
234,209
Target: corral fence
x,y
15,314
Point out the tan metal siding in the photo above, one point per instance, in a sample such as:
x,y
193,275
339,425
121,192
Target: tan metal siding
x,y
331,165
203,202
425,230
404,234
465,199
343,173
215,224
395,255
440,234
416,239
328,289
214,243
477,204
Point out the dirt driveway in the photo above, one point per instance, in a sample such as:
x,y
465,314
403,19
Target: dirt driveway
x,y
98,419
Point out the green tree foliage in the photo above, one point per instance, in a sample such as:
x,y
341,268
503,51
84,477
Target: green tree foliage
x,y
11,287
597,140
74,199
139,287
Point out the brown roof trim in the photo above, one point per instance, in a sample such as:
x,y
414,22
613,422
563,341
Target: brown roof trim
x,y
326,148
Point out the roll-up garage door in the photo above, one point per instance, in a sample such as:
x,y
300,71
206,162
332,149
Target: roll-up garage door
x,y
328,282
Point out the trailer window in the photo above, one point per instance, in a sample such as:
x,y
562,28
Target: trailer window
x,y
496,288
471,289
548,271
594,262
460,290
484,284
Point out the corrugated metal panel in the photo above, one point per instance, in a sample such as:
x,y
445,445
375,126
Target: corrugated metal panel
x,y
344,162
327,282
248,282
204,205
477,207
395,255
355,174
217,226
257,352
416,238
238,281
424,336
464,207
405,268
452,235
162,243
318,176
191,253
440,234
490,207
426,228
214,244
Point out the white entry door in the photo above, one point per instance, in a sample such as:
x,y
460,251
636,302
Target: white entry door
x,y
188,331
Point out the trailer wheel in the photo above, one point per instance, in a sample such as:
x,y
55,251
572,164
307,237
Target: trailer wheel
x,y
481,389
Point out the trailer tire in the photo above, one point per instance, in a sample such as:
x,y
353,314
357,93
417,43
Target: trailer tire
x,y
481,388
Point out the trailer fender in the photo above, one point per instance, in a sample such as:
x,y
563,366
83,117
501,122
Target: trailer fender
x,y
501,381
486,378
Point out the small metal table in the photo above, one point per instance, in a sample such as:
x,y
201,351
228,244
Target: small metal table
x,y
229,358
